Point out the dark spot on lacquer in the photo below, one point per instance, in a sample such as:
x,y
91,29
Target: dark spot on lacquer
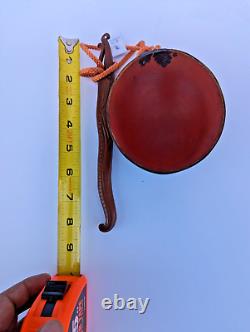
x,y
145,58
163,57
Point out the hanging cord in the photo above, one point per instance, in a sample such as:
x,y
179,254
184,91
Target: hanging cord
x,y
99,72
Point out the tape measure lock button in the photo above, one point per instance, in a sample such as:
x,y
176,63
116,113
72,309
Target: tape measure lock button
x,y
53,291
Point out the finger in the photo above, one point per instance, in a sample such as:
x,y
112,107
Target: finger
x,y
7,314
22,294
52,326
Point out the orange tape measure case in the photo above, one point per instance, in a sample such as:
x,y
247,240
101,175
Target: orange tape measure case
x,y
64,298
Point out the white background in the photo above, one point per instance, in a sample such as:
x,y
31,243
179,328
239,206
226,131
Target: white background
x,y
183,239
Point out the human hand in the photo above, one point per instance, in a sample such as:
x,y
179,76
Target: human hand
x,y
19,298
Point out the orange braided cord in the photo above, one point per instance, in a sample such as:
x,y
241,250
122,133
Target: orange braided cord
x,y
98,73
91,71
86,49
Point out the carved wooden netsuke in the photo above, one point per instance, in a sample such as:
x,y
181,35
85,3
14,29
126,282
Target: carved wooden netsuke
x,y
105,141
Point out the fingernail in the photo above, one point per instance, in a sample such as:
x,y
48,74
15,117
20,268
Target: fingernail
x,y
52,326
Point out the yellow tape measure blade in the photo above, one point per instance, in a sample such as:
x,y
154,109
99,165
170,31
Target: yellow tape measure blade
x,y
69,177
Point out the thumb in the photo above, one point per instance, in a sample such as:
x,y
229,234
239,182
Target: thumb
x,y
52,326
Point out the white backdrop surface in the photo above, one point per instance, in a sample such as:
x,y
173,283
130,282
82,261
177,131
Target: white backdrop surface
x,y
183,240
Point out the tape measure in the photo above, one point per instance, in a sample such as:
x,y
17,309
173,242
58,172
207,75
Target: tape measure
x,y
69,181
64,296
